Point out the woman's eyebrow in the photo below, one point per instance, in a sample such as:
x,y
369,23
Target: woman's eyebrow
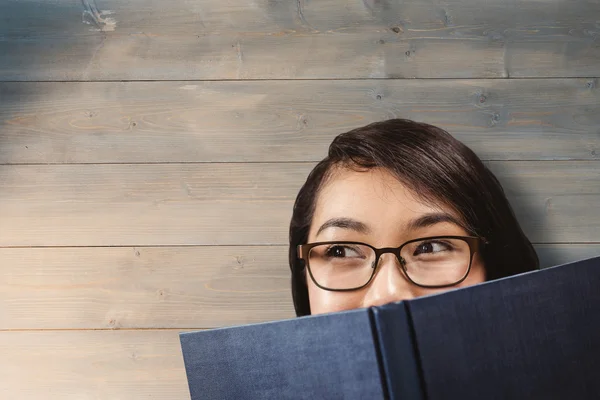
x,y
345,223
431,219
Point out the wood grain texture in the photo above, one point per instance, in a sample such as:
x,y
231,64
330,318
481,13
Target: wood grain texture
x,y
243,204
167,287
288,121
148,204
92,365
139,287
557,254
183,39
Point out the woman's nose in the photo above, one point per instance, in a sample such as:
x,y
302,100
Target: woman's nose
x,y
389,283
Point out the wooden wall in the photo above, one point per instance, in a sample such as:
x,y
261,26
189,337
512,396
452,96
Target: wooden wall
x,y
150,152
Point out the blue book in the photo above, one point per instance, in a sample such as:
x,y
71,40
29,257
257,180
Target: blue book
x,y
531,336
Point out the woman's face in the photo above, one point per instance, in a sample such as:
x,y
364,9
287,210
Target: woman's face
x,y
383,210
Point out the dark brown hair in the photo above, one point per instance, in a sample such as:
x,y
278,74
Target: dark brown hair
x,y
437,167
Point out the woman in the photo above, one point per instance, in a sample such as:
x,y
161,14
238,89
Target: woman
x,y
399,209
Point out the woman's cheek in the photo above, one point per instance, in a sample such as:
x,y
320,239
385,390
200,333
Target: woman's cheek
x,y
324,301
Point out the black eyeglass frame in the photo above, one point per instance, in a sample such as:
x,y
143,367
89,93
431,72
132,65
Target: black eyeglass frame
x,y
474,243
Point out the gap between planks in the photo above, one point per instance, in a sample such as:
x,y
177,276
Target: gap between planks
x,y
224,245
269,162
101,329
304,79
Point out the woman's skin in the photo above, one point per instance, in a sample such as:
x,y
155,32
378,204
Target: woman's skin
x,y
384,208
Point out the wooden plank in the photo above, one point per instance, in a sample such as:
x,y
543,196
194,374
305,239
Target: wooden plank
x,y
557,254
554,201
92,365
242,204
143,287
212,39
161,287
288,121
147,204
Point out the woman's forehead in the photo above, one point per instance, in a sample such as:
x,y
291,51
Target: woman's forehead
x,y
374,197
347,187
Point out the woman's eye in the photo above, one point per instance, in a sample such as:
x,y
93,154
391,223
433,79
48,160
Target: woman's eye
x,y
431,247
342,251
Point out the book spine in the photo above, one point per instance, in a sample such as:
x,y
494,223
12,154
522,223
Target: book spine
x,y
397,352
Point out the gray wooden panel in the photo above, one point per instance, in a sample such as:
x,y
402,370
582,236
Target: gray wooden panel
x,y
211,39
242,204
153,204
79,365
555,201
288,121
143,287
161,287
557,254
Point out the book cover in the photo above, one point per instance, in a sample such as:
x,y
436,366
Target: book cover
x,y
330,356
530,336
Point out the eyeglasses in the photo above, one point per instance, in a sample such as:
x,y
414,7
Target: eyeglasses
x,y
430,262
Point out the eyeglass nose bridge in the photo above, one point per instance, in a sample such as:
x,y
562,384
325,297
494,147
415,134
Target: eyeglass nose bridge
x,y
395,251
